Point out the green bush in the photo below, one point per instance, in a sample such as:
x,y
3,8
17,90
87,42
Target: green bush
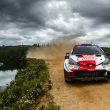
x,y
24,92
50,106
106,49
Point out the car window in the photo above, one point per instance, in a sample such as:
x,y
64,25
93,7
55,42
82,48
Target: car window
x,y
87,50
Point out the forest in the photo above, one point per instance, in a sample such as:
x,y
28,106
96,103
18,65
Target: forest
x,y
13,57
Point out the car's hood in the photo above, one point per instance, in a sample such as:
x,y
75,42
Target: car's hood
x,y
88,59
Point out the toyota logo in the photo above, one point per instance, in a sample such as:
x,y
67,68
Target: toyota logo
x,y
90,65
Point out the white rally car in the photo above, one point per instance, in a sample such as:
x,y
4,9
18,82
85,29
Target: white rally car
x,y
86,62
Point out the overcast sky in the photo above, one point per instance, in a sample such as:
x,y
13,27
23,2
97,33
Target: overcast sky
x,y
33,21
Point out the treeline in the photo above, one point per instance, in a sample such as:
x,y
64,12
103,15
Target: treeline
x,y
106,49
13,57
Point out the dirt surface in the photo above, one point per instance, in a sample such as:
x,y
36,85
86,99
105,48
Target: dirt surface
x,y
76,95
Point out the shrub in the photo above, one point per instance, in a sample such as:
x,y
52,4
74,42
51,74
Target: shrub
x,y
24,92
50,106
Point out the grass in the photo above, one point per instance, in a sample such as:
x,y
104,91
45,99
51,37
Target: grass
x,y
29,85
51,106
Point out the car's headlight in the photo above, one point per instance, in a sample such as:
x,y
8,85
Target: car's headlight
x,y
72,62
107,61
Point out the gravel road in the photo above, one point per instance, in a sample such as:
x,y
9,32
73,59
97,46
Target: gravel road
x,y
77,95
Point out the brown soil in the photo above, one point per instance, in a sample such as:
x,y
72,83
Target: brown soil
x,y
76,95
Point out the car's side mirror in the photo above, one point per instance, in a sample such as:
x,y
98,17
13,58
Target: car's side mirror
x,y
67,56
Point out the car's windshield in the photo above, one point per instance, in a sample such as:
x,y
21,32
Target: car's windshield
x,y
87,50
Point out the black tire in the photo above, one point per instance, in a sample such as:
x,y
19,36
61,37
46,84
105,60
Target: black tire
x,y
67,80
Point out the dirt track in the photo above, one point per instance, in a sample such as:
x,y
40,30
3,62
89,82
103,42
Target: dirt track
x,y
74,96
78,95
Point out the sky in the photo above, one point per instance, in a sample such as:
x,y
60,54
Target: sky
x,y
41,21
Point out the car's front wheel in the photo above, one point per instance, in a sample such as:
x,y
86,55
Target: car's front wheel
x,y
67,80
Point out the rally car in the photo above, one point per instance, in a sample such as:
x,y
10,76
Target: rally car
x,y
86,62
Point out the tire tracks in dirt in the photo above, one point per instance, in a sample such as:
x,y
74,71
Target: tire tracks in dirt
x,y
77,95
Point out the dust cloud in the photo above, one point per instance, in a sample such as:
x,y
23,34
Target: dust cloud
x,y
54,50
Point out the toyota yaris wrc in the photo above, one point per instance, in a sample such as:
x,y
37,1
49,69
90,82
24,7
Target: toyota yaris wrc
x,y
86,62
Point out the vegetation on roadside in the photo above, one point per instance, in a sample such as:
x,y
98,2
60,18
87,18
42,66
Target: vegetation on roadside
x,y
106,49
29,85
13,57
50,106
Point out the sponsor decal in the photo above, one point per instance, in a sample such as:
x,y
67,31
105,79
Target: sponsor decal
x,y
98,67
87,57
75,67
104,66
71,66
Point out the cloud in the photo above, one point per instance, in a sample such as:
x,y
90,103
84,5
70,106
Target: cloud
x,y
33,21
97,10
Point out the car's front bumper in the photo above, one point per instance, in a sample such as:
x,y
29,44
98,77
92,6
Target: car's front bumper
x,y
77,72
87,75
